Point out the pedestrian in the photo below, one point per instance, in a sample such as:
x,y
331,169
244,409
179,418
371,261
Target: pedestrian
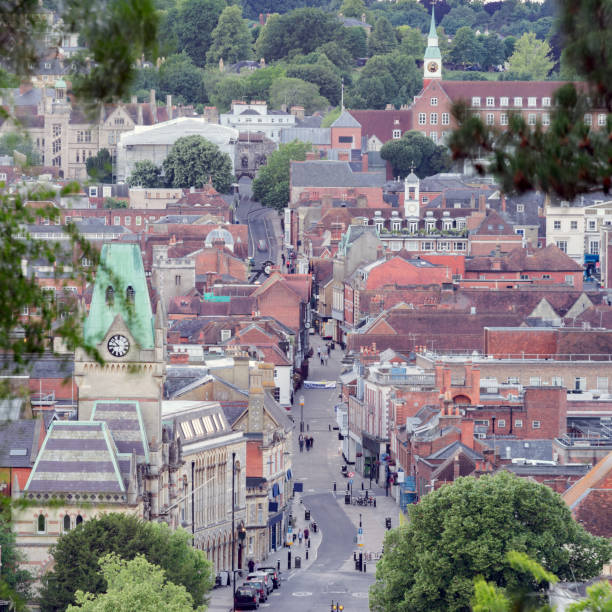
x,y
322,358
251,566
328,350
300,537
311,441
306,533
301,442
318,351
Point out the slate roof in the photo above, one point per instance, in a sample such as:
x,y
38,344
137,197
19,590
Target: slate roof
x,y
78,457
52,367
546,470
549,259
493,225
19,442
196,421
450,451
124,419
314,135
524,449
233,411
332,174
381,123
345,120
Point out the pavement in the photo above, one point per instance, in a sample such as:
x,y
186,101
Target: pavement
x,y
328,574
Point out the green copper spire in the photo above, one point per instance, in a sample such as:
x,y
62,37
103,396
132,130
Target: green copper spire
x,y
124,262
432,27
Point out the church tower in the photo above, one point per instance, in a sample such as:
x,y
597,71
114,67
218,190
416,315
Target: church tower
x,y
121,326
432,64
411,196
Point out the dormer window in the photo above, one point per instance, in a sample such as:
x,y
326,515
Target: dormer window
x,y
110,296
130,294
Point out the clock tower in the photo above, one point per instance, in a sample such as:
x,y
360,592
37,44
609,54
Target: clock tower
x,y
131,341
432,62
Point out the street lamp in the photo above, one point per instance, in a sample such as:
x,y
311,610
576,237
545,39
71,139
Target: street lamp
x,y
301,413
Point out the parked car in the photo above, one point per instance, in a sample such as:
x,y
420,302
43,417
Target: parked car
x,y
246,598
263,576
274,573
260,587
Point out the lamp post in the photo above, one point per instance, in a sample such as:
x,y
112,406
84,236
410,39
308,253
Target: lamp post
x,y
301,413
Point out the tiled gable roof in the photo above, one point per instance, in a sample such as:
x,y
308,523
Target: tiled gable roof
x,y
549,259
326,173
493,225
345,119
18,442
592,479
77,457
381,123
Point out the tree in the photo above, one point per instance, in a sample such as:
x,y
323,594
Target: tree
x,y
300,31
412,42
100,167
354,40
180,77
76,555
231,39
257,84
466,49
22,143
223,88
115,203
531,58
509,43
465,530
382,39
196,21
493,51
353,8
193,161
291,92
145,174
327,79
415,150
134,585
337,55
458,17
271,187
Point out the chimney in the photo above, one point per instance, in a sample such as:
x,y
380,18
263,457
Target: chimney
x,y
24,87
140,120
456,467
283,108
364,162
255,416
153,105
297,112
482,202
467,433
169,106
134,100
261,19
363,17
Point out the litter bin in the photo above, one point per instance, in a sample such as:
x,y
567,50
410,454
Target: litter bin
x,y
306,515
347,499
298,562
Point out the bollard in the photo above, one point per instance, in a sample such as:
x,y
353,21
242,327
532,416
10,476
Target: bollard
x,y
334,487
307,426
375,502
278,565
306,554
329,427
289,560
364,567
362,485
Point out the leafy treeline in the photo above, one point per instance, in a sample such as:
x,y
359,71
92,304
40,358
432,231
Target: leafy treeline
x,y
309,47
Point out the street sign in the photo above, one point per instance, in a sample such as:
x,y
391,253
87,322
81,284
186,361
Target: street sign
x,y
351,474
360,537
289,536
350,481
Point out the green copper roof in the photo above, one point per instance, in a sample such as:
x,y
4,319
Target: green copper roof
x,y
433,53
124,262
432,27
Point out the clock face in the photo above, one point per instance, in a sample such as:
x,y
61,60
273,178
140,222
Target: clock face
x,y
118,345
432,67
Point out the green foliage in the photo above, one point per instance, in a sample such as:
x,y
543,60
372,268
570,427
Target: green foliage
x,y
412,42
100,167
181,78
531,58
466,529
599,599
115,203
194,26
327,79
414,149
253,8
331,117
193,161
145,174
466,48
337,55
353,8
134,585
403,12
77,553
295,91
231,39
354,40
382,38
19,141
493,51
223,88
458,17
271,187
300,31
257,84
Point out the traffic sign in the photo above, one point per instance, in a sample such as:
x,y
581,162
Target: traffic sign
x,y
360,537
289,536
351,474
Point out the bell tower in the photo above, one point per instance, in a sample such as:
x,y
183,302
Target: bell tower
x,y
432,62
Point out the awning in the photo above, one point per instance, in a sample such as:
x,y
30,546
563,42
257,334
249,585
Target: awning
x,y
275,490
275,519
298,487
289,474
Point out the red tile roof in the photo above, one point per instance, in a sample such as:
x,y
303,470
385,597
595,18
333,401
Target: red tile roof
x,y
381,123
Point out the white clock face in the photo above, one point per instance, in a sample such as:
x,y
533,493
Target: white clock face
x,y
432,66
118,345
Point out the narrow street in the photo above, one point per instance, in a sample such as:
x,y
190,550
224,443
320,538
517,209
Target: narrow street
x,y
329,572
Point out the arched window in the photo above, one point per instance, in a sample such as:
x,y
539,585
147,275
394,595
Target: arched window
x,y
41,524
67,522
110,296
79,520
130,294
245,161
